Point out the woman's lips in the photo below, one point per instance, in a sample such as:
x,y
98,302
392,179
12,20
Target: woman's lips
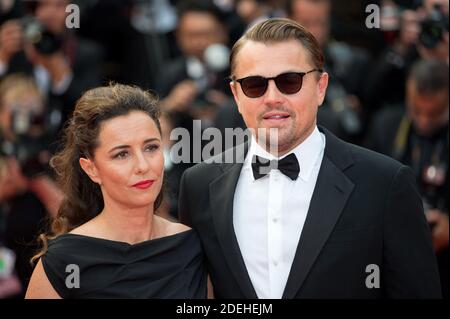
x,y
143,184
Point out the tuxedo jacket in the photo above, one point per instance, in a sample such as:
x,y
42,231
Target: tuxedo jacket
x,y
365,225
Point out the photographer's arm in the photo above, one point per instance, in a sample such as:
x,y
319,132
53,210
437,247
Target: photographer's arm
x,y
56,66
10,43
13,182
47,192
180,97
439,233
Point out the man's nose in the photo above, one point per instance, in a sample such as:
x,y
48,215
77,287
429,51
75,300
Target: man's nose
x,y
273,96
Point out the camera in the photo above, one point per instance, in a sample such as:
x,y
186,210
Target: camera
x,y
34,31
42,39
32,135
207,74
433,28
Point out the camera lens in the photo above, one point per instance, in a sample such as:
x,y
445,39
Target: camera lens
x,y
433,28
43,40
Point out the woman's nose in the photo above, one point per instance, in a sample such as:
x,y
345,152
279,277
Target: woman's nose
x,y
142,164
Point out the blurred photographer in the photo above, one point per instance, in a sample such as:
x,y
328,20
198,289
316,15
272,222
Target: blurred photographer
x,y
198,76
253,11
434,38
347,65
62,64
418,136
28,194
423,33
194,86
385,84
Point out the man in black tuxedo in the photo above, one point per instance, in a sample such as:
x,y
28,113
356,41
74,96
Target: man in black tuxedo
x,y
326,219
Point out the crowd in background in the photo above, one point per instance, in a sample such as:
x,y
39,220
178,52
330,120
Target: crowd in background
x,y
388,90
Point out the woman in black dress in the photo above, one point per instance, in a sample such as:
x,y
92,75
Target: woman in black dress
x,y
106,241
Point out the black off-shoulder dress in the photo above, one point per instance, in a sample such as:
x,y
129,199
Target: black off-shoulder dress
x,y
167,267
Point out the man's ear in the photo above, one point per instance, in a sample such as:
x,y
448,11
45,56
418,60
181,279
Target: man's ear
x,y
233,87
322,87
89,168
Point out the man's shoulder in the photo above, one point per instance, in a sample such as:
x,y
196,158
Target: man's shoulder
x,y
368,169
361,159
364,154
370,163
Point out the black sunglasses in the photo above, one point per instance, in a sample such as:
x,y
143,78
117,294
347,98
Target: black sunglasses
x,y
287,83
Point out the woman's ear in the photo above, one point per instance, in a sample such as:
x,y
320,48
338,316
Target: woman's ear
x,y
89,168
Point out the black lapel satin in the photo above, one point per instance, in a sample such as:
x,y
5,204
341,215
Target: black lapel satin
x,y
331,193
221,192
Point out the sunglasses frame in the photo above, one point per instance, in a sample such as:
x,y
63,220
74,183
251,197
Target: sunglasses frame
x,y
301,74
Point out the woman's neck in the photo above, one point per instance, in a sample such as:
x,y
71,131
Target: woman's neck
x,y
127,225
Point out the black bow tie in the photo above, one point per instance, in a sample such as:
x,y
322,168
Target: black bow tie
x,y
288,166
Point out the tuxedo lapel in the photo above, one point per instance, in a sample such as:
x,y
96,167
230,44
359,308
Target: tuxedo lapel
x,y
221,192
329,198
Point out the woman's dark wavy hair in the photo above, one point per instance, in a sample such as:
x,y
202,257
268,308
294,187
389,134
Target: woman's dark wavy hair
x,y
83,198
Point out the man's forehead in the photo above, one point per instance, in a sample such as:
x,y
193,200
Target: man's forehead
x,y
257,53
252,47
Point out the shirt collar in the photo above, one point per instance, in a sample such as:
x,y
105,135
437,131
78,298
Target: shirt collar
x,y
307,153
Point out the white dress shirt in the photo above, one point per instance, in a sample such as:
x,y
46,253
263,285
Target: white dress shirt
x,y
269,214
